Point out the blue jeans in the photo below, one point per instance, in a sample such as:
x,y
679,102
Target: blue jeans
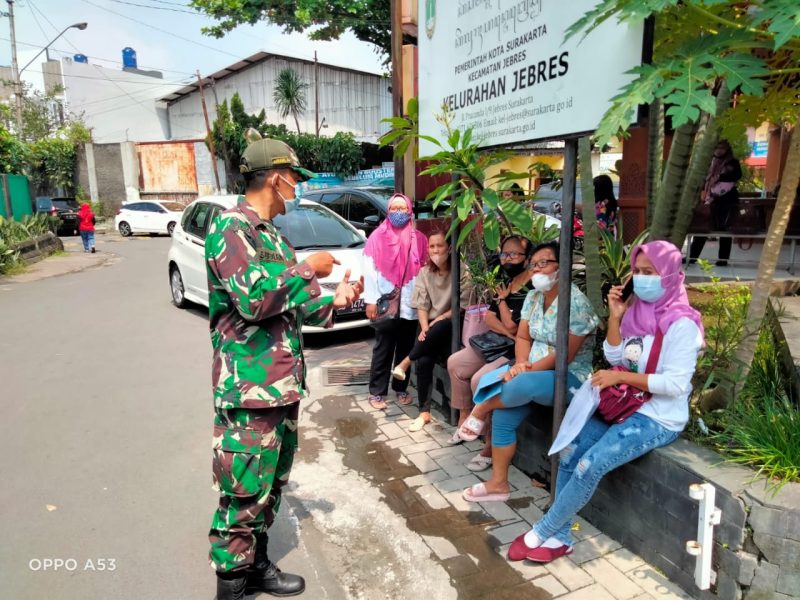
x,y
88,240
517,395
599,449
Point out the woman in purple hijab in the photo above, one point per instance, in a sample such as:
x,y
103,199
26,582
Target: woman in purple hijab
x,y
659,305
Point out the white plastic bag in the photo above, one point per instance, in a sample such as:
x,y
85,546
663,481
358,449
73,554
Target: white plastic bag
x,y
580,410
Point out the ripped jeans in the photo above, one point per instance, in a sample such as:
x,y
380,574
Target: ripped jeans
x,y
599,449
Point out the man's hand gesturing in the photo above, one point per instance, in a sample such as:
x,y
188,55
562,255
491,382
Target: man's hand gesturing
x,y
347,293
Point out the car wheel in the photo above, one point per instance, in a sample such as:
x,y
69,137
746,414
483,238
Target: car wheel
x,y
176,287
125,229
170,228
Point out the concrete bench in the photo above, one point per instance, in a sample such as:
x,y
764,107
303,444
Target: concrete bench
x,y
792,239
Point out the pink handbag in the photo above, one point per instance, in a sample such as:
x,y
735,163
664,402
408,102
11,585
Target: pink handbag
x,y
474,322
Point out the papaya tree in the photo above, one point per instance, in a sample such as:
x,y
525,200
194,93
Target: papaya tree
x,y
750,49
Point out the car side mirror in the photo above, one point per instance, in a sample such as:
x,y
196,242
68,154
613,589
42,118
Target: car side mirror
x,y
372,220
362,232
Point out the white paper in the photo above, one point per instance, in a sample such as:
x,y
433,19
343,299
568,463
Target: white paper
x,y
584,403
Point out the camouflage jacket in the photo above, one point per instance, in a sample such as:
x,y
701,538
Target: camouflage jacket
x,y
259,296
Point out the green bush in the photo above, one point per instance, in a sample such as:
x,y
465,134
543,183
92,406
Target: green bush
x,y
724,311
340,154
762,428
8,257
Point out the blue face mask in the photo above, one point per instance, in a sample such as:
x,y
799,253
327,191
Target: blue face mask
x,y
293,204
399,219
648,287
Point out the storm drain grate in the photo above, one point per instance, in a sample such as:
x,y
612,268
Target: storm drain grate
x,y
347,375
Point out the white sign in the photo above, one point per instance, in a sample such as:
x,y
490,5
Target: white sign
x,y
502,68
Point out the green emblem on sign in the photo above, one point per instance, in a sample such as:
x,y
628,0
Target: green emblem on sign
x,y
430,17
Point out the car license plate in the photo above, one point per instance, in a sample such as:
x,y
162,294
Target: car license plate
x,y
358,306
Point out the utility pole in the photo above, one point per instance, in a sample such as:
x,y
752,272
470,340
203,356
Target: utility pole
x,y
229,180
15,69
208,130
397,86
316,90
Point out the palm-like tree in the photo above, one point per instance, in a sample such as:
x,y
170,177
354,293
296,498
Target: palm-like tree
x,y
290,95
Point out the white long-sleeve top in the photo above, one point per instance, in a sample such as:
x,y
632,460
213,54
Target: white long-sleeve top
x,y
375,285
671,384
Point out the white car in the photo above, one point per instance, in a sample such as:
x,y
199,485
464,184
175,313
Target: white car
x,y
148,216
310,228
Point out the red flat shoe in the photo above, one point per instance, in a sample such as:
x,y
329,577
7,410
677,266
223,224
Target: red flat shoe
x,y
518,549
546,555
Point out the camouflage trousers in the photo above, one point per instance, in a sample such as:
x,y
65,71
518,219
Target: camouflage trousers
x,y
253,452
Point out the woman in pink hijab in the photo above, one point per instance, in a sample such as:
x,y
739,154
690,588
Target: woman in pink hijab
x,y
394,254
658,311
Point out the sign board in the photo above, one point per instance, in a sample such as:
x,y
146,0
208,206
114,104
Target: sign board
x,y
380,177
502,67
759,149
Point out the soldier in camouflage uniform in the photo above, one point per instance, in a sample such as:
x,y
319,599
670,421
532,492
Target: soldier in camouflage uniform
x,y
259,297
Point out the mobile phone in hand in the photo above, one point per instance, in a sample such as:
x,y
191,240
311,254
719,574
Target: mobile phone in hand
x,y
627,290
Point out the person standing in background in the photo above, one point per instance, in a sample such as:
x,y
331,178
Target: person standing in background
x,y
394,254
721,193
605,204
86,222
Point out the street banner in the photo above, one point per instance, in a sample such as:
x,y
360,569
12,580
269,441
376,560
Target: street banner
x,y
502,67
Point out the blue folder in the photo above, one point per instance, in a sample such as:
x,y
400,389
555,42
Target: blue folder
x,y
490,384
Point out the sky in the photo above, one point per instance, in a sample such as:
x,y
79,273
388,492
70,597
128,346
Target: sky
x,y
164,34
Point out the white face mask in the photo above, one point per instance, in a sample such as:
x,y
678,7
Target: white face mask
x,y
542,282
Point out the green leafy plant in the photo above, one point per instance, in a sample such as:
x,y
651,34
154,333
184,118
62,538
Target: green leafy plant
x,y
615,257
340,154
724,310
483,280
762,429
8,256
539,231
471,192
53,162
14,154
368,20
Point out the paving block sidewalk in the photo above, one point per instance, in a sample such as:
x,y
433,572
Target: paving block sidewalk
x,y
599,567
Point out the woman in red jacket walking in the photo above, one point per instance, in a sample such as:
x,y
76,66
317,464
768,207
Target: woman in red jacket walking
x,y
86,227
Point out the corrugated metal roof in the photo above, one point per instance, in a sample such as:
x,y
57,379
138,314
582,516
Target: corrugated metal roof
x,y
254,59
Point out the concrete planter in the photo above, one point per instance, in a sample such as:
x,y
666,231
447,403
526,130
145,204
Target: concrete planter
x,y
38,248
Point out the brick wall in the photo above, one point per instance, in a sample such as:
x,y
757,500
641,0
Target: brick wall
x,y
110,177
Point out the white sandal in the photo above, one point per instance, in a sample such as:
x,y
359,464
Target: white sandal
x,y
417,424
479,463
455,439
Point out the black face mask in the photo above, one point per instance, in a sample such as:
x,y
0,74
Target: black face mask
x,y
512,270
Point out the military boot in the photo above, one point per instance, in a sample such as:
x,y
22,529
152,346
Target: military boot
x,y
231,586
264,576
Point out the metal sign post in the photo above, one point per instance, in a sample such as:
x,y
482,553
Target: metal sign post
x,y
564,297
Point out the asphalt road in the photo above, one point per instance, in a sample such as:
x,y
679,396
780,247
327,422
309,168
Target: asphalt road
x,y
106,433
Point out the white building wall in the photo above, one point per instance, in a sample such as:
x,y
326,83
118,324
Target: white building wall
x,y
116,105
349,101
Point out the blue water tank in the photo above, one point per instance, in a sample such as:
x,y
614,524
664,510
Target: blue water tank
x,y
129,58
81,58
